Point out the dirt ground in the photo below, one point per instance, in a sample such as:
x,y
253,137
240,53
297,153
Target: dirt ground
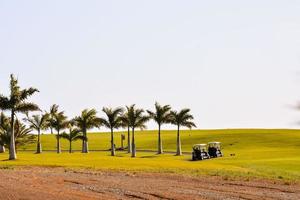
x,y
57,183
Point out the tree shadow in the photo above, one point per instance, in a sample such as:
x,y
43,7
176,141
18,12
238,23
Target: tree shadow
x,y
119,156
153,156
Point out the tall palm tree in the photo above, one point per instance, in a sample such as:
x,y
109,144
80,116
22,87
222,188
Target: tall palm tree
x,y
181,118
125,124
73,135
112,122
16,103
38,123
136,119
161,116
87,120
52,112
60,123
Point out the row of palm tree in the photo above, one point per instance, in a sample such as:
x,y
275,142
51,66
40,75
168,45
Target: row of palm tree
x,y
131,118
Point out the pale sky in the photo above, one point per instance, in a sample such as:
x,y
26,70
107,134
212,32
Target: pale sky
x,y
234,63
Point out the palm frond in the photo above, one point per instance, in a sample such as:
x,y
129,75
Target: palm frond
x,y
22,135
188,124
60,121
105,122
73,135
113,117
53,109
87,119
4,103
182,118
124,120
24,94
135,117
37,122
24,107
141,122
79,137
64,135
161,114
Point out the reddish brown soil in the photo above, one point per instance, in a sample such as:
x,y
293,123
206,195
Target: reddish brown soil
x,y
57,183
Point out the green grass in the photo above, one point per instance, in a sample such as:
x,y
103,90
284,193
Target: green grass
x,y
271,154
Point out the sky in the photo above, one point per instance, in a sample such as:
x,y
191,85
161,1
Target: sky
x,y
233,63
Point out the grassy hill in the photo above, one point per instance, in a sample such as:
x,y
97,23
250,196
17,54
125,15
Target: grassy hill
x,y
232,139
258,153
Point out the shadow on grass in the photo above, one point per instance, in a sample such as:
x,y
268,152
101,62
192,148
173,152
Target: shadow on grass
x,y
119,156
153,156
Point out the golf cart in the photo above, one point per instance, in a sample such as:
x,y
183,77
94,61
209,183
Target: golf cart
x,y
214,149
200,152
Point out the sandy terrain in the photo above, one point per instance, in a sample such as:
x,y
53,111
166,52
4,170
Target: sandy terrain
x,y
57,183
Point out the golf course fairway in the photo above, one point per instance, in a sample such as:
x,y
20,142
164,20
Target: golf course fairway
x,y
272,154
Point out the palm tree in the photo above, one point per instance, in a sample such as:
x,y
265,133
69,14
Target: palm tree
x,y
73,135
53,111
4,127
181,118
60,122
16,103
125,123
136,119
87,120
161,116
112,122
2,148
38,123
22,133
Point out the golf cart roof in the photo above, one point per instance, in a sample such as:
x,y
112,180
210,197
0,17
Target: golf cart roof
x,y
214,143
199,145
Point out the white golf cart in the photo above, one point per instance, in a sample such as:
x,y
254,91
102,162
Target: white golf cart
x,y
214,149
200,152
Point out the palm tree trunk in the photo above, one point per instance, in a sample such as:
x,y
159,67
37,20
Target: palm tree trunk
x,y
51,129
12,147
2,149
179,153
86,144
85,148
58,142
70,147
128,141
39,145
122,141
160,147
133,153
112,143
